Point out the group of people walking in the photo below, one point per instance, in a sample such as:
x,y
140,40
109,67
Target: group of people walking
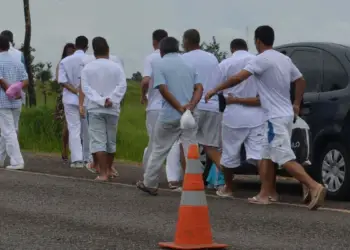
x,y
255,89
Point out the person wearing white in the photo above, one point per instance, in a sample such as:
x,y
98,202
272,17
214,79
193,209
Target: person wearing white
x,y
17,55
11,71
243,117
209,117
104,85
275,72
153,99
69,76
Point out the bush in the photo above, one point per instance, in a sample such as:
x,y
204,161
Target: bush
x,y
39,131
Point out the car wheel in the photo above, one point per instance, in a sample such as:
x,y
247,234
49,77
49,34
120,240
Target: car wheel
x,y
334,170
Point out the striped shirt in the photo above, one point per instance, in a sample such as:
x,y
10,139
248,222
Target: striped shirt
x,y
12,71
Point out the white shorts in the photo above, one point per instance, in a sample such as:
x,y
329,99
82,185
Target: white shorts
x,y
209,126
232,140
277,146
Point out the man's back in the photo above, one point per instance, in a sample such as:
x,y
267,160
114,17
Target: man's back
x,y
206,65
179,77
238,116
276,71
70,72
12,71
155,99
103,76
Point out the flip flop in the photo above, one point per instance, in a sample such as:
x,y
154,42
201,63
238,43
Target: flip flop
x,y
258,201
100,179
223,194
151,191
317,199
274,199
306,195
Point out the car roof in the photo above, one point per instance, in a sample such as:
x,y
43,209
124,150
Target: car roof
x,y
321,45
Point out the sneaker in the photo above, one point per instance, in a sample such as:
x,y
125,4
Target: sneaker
x,y
223,193
15,167
77,165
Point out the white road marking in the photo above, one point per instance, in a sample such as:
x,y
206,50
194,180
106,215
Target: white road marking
x,y
168,190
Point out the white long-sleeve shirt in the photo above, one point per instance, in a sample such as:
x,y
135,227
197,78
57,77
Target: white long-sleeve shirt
x,y
102,79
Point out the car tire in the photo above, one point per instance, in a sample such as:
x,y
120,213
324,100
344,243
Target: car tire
x,y
332,162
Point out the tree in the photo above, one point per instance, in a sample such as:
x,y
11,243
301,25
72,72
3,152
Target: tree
x,y
214,48
27,52
44,75
137,76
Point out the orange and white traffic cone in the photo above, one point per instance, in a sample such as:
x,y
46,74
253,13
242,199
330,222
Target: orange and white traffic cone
x,y
193,230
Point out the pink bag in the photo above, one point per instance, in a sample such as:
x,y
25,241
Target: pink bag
x,y
14,90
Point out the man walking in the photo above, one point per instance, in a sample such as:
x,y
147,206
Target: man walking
x,y
209,117
11,71
104,85
243,117
178,84
69,76
153,99
275,72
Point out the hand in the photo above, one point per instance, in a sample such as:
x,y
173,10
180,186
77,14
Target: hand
x,y
144,100
82,111
181,110
296,109
231,99
108,103
19,96
189,106
209,95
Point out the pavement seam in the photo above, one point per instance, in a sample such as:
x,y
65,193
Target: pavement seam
x,y
167,190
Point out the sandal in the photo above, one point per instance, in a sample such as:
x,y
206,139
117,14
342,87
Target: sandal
x,y
257,200
101,179
151,191
274,199
306,195
222,193
317,199
174,185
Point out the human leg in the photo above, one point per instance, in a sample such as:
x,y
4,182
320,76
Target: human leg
x,y
74,129
112,127
9,137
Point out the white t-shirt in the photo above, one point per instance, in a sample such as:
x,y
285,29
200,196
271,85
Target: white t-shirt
x,y
207,67
155,99
237,115
275,71
69,71
90,58
102,79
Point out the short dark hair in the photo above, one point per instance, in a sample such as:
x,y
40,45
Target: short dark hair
x,y
159,34
4,43
169,45
265,34
239,44
8,34
100,46
81,42
192,36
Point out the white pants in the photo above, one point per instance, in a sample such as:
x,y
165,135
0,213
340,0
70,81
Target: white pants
x,y
9,119
78,134
173,164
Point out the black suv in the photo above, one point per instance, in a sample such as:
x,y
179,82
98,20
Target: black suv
x,y
326,108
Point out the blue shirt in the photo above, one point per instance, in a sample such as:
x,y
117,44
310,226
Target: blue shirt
x,y
179,77
12,71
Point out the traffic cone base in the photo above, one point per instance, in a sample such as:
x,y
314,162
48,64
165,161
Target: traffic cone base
x,y
172,245
193,230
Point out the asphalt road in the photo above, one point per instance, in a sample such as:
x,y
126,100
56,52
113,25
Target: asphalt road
x,y
50,206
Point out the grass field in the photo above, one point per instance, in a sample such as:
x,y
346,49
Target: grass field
x,y
40,132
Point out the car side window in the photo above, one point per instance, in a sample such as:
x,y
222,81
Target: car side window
x,y
334,75
309,64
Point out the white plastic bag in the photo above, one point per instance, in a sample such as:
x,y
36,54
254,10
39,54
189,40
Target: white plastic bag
x,y
301,141
187,120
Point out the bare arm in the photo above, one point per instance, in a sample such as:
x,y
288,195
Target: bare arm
x,y
4,85
300,85
70,88
163,89
250,101
145,85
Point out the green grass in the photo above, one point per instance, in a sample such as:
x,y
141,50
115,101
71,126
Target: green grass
x,y
40,132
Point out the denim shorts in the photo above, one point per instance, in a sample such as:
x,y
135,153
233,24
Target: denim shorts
x,y
102,132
